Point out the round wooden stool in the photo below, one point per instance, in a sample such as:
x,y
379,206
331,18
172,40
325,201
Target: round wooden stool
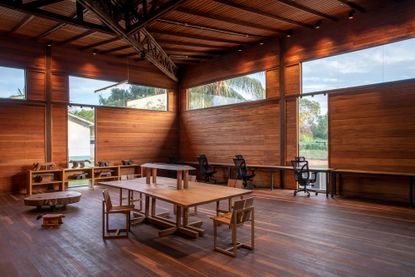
x,y
52,199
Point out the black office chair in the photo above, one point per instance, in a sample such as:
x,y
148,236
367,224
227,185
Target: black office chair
x,y
243,172
303,176
206,172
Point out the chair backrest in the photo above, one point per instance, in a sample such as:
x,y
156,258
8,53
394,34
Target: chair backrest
x,y
203,164
242,211
301,170
240,165
107,200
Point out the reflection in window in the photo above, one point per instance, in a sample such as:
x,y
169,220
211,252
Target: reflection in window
x,y
236,90
12,83
104,93
386,63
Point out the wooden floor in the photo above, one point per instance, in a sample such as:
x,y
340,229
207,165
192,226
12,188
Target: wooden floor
x,y
294,237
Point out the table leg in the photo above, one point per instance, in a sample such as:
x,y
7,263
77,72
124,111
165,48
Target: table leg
x,y
120,197
282,179
154,175
186,179
217,207
272,180
148,173
178,216
411,191
185,216
327,184
147,207
153,206
179,179
229,172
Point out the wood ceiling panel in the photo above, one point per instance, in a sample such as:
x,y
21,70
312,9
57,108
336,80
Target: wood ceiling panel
x,y
95,37
170,37
35,27
66,8
9,19
65,32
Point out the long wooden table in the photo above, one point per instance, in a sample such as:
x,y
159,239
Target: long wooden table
x,y
165,190
182,181
271,168
338,172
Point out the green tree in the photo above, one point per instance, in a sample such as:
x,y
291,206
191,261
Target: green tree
x,y
309,117
321,130
87,114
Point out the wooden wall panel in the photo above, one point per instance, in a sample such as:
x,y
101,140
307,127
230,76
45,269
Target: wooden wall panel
x,y
374,129
60,88
250,129
291,138
21,142
21,53
272,83
142,136
292,80
35,83
255,58
60,134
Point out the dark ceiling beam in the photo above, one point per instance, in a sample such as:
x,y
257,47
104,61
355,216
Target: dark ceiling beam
x,y
303,8
93,45
263,13
191,36
55,17
207,28
40,3
115,49
153,14
142,41
187,57
127,55
188,44
353,5
181,51
26,19
228,20
79,11
77,37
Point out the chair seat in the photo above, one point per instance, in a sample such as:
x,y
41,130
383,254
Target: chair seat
x,y
224,218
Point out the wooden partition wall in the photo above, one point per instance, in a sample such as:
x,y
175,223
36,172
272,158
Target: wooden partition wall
x,y
35,130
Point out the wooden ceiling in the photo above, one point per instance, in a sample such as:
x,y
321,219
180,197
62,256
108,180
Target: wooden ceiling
x,y
189,31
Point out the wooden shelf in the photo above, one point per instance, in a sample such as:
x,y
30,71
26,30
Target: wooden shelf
x,y
62,176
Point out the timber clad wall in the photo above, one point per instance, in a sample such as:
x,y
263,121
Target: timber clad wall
x,y
23,138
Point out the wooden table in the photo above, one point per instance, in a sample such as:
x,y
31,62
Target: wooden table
x,y
338,172
165,189
150,171
272,169
53,199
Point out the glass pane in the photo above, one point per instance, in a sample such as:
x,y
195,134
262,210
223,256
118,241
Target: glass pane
x,y
237,90
81,138
105,93
386,63
12,83
313,135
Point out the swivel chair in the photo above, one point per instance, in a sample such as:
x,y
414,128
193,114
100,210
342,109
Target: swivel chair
x,y
205,172
304,177
243,172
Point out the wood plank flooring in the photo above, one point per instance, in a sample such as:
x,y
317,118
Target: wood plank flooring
x,y
294,237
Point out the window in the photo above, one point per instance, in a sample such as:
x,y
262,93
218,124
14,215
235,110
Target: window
x,y
385,63
12,83
236,90
105,93
313,134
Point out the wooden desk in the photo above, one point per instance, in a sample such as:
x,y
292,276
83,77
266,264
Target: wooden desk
x,y
165,189
271,168
338,172
182,173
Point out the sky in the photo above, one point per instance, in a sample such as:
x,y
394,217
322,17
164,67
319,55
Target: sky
x,y
11,80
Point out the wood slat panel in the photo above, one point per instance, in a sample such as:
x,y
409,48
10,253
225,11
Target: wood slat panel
x,y
60,87
22,142
250,129
35,83
60,135
142,136
292,80
291,138
272,83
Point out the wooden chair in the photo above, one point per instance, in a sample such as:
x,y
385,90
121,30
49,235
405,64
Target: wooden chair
x,y
108,208
242,211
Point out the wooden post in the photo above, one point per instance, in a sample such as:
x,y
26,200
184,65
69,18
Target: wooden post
x,y
148,172
179,179
186,179
154,175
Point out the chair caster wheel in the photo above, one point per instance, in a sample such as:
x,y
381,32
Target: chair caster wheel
x,y
295,193
316,193
308,195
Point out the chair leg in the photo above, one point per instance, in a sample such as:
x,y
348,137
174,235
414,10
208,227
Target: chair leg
x,y
234,242
252,231
103,220
215,233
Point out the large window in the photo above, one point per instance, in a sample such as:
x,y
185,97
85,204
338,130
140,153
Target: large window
x,y
104,93
12,83
237,90
386,63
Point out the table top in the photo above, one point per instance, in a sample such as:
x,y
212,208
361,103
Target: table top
x,y
196,194
373,172
173,167
262,166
